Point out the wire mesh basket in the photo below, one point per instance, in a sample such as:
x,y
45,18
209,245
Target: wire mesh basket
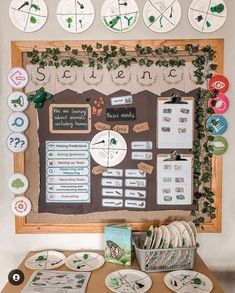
x,y
163,260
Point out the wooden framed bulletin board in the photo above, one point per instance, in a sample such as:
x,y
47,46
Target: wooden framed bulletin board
x,y
116,90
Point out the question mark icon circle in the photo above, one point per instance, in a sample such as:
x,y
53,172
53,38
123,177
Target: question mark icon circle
x,y
17,142
16,277
21,206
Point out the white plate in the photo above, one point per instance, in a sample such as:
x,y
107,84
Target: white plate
x,y
186,240
166,237
120,16
84,261
149,238
158,238
108,148
162,16
45,260
190,232
175,240
75,16
194,230
128,281
30,17
188,281
204,16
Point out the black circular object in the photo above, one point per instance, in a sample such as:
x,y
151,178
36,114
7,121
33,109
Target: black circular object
x,y
16,277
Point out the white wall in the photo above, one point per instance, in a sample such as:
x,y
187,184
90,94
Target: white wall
x,y
218,250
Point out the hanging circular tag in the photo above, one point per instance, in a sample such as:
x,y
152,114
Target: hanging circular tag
x,y
218,145
28,16
18,183
18,122
207,16
219,83
18,78
17,101
21,206
120,15
75,16
220,104
217,125
17,142
162,16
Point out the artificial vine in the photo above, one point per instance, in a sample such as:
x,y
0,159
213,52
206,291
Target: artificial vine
x,y
113,57
203,197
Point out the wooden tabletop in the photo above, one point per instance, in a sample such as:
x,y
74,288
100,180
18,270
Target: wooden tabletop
x,y
96,282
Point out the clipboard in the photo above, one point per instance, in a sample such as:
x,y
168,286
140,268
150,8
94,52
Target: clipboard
x,y
174,179
175,122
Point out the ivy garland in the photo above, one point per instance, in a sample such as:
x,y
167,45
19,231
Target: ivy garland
x,y
203,196
112,57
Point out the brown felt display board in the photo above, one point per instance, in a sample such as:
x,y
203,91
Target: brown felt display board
x,y
145,105
94,222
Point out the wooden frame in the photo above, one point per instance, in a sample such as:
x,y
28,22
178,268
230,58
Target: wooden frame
x,y
19,47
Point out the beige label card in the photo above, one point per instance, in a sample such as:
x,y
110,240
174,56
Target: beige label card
x,y
102,126
141,127
145,167
121,128
99,170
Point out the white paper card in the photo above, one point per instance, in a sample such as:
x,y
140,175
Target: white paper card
x,y
143,156
174,181
118,101
118,192
135,183
111,182
112,203
113,173
140,204
135,193
135,173
175,125
141,145
67,171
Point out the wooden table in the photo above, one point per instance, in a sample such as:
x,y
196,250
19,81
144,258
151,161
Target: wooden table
x,y
96,281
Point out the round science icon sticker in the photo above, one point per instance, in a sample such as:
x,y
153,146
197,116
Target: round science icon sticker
x,y
18,183
217,125
17,101
18,78
217,145
17,142
220,104
21,206
219,83
18,122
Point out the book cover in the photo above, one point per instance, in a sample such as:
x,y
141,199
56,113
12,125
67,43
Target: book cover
x,y
118,244
46,281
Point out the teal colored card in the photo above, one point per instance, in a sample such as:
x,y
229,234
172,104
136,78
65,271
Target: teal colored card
x,y
118,245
